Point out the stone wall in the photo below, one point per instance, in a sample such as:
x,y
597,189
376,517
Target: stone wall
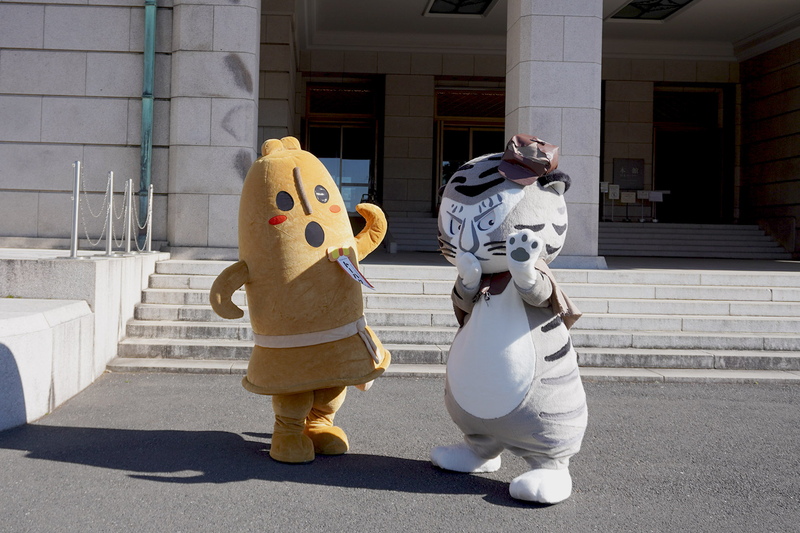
x,y
771,142
70,89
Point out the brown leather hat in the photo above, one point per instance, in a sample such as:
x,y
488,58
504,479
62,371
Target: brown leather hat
x,y
527,158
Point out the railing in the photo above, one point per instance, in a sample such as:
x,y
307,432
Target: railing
x,y
108,211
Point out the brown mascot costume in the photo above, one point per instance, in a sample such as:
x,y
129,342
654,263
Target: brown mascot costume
x,y
307,313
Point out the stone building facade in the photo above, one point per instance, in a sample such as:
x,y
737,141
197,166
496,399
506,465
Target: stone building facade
x,y
229,75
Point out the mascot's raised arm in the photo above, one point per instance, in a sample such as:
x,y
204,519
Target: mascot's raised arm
x,y
299,266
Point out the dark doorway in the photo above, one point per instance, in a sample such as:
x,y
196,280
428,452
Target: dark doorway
x,y
689,164
693,153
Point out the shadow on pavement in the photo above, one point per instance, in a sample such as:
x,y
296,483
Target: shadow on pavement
x,y
170,456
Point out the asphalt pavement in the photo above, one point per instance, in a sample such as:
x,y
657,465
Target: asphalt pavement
x,y
188,452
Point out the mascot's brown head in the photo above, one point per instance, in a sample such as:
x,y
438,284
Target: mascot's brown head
x,y
291,210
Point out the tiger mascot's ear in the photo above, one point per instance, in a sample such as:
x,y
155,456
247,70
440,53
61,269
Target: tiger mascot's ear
x,y
556,180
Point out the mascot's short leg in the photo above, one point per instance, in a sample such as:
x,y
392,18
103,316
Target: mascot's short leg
x,y
478,454
542,485
328,439
548,481
289,443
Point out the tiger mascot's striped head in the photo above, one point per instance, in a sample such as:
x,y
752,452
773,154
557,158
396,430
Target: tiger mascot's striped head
x,y
481,207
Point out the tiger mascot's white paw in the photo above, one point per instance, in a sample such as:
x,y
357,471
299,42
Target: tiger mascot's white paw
x,y
542,486
523,249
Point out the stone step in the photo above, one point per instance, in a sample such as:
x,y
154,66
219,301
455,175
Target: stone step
x,y
685,236
691,340
420,310
670,227
198,349
594,331
699,254
445,317
674,358
201,267
417,246
186,297
693,278
669,308
409,288
409,302
678,229
736,250
575,290
617,357
237,350
204,313
192,313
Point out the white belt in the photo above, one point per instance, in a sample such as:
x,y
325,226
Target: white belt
x,y
320,337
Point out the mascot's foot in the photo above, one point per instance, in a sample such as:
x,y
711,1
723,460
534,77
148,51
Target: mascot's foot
x,y
328,440
542,485
294,448
460,458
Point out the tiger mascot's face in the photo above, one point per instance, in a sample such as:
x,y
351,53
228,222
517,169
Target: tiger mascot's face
x,y
480,209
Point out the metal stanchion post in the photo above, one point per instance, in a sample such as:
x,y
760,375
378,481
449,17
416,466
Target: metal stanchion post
x,y
150,218
76,200
110,217
129,214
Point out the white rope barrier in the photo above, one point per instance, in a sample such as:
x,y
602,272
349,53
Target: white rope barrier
x,y
110,214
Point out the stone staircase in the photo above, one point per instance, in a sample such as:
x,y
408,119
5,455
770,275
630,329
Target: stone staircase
x,y
414,234
728,241
631,239
692,319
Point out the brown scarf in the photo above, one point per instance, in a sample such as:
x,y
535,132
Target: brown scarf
x,y
559,301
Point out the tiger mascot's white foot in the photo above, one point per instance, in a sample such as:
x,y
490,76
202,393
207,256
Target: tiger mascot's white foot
x,y
542,486
459,458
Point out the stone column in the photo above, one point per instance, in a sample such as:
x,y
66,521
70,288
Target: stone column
x,y
214,103
553,91
278,71
408,145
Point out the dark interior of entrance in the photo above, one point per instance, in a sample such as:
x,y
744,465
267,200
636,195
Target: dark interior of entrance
x,y
693,152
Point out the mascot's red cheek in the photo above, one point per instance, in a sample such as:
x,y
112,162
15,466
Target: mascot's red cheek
x,y
277,220
335,209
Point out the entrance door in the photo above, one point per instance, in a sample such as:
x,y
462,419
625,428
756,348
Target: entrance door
x,y
689,164
348,152
459,144
693,126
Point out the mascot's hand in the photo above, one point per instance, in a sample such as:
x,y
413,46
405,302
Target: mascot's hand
x,y
469,268
365,386
223,288
523,250
374,231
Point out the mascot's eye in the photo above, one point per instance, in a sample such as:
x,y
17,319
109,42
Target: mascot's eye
x,y
487,222
284,201
455,225
321,193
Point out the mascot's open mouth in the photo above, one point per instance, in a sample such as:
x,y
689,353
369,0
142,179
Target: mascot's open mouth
x,y
315,235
